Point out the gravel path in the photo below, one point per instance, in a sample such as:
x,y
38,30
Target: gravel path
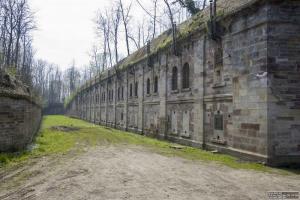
x,y
137,173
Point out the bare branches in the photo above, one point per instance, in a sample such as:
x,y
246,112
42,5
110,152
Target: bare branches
x,y
16,25
120,33
125,18
154,18
116,19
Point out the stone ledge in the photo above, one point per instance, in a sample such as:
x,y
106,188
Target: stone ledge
x,y
181,101
20,97
218,97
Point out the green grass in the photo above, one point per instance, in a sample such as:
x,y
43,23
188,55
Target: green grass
x,y
50,142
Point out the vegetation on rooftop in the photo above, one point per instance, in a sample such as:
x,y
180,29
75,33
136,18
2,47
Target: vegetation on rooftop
x,y
196,23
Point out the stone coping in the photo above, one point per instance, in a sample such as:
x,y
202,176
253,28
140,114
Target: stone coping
x,y
15,95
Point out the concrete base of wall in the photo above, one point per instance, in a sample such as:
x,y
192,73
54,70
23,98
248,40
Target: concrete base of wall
x,y
184,141
284,161
243,155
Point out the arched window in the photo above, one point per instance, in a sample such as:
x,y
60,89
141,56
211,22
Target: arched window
x,y
174,78
130,92
186,76
122,93
119,89
148,86
155,84
136,89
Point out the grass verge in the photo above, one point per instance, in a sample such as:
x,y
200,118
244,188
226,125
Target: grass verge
x,y
54,142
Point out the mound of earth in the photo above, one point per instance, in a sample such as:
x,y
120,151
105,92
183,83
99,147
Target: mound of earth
x,y
11,85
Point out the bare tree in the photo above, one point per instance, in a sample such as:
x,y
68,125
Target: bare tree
x,y
171,17
73,75
125,18
25,24
16,25
96,60
116,18
154,18
103,24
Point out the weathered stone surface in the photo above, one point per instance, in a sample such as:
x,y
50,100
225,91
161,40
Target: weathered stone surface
x,y
19,123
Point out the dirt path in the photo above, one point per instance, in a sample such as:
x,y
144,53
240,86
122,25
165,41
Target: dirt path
x,y
136,173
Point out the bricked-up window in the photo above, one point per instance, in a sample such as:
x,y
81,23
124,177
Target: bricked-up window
x,y
130,90
136,89
174,78
186,76
219,122
155,84
148,86
218,62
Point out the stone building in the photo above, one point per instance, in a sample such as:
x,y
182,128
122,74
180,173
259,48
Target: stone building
x,y
230,82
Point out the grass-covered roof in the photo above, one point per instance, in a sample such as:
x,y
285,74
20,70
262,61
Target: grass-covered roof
x,y
196,23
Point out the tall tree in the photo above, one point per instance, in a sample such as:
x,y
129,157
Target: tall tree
x,y
116,18
125,18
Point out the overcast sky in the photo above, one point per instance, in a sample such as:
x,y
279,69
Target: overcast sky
x,y
66,30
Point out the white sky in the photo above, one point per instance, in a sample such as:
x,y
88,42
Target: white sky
x,y
66,29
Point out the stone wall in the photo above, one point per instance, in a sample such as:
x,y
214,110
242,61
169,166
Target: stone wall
x,y
234,91
19,122
242,92
284,82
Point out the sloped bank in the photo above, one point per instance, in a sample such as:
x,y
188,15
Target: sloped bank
x,y
20,115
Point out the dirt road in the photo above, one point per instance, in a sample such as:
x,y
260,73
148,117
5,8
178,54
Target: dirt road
x,y
137,173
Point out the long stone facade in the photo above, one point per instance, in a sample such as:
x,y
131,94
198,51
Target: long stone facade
x,y
231,84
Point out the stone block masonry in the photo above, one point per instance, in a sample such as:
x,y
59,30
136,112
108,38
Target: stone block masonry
x,y
19,123
235,90
20,115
